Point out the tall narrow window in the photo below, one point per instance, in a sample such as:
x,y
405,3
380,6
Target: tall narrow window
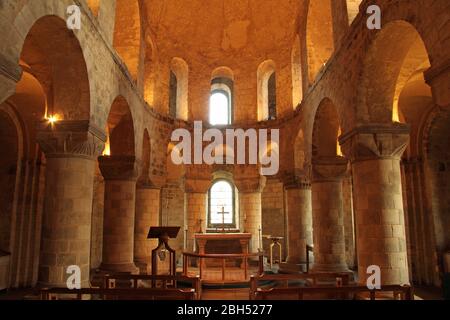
x,y
219,108
267,91
272,96
173,95
221,205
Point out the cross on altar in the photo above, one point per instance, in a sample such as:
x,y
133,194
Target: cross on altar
x,y
223,213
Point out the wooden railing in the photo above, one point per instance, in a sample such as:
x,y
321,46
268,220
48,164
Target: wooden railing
x,y
117,294
224,258
399,292
312,280
155,281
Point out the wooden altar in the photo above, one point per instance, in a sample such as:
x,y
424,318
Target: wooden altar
x,y
204,239
222,258
222,243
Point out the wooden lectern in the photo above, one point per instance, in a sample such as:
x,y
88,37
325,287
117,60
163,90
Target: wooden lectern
x,y
163,234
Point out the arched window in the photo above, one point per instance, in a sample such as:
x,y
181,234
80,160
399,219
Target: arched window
x,y
220,102
178,86
221,212
267,91
272,96
173,90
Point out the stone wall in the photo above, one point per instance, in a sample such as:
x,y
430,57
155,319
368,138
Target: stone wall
x,y
274,214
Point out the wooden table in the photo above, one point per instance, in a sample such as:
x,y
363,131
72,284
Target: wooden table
x,y
203,238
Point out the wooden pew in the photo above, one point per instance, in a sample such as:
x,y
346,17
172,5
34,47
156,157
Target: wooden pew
x,y
399,292
117,294
153,281
311,279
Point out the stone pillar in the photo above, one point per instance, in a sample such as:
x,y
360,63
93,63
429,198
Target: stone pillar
x,y
70,148
120,173
328,214
375,152
250,208
299,216
147,215
196,207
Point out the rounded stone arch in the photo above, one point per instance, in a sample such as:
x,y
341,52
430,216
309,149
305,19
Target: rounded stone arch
x,y
394,55
121,129
180,69
62,71
222,72
326,130
128,34
33,12
265,70
319,36
146,158
150,70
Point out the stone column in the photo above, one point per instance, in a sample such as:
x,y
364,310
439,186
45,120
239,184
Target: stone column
x,y
250,208
328,214
147,215
120,173
375,152
196,207
299,216
71,148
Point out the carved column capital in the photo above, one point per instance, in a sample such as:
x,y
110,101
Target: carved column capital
x,y
196,185
329,169
250,184
376,141
71,138
119,167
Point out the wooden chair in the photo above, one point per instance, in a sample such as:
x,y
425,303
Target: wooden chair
x,y
117,294
154,281
311,280
399,292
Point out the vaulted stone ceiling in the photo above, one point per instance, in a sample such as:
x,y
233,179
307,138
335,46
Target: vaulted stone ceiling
x,y
222,31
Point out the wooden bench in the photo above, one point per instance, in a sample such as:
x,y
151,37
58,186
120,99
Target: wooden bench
x,y
311,279
399,292
117,294
153,281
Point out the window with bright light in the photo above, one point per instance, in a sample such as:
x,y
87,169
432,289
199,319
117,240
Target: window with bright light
x,y
221,205
219,109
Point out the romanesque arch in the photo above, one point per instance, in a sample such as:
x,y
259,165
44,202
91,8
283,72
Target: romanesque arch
x,y
387,67
319,36
328,172
179,93
121,129
53,90
62,72
127,34
265,76
326,130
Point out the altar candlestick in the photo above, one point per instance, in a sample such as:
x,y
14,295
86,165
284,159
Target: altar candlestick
x,y
260,238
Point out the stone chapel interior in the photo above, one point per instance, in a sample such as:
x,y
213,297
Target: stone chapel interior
x,y
86,118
